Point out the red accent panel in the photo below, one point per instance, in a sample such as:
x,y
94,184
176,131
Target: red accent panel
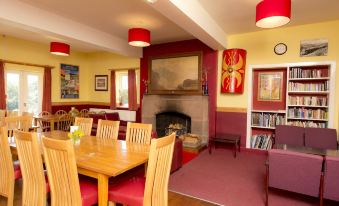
x,y
209,63
269,105
234,123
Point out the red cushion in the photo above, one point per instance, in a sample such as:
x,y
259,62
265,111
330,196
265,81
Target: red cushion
x,y
113,116
129,192
89,192
17,170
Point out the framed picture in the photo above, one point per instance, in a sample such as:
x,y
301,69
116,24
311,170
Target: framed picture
x,y
313,47
270,86
101,83
175,74
69,80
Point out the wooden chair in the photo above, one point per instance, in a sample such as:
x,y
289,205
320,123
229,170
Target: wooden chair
x,y
139,133
34,184
83,113
154,189
85,124
25,123
8,173
12,123
60,112
108,129
12,113
64,122
66,190
45,125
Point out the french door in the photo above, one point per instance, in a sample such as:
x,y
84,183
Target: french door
x,y
24,91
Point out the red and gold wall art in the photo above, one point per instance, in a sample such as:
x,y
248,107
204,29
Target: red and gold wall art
x,y
233,71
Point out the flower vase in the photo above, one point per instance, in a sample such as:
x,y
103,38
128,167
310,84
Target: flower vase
x,y
75,141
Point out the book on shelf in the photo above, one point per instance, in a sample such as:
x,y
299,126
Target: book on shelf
x,y
297,72
307,113
269,120
309,87
308,100
307,124
261,141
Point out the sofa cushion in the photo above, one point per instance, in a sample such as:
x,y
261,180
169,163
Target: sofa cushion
x,y
114,116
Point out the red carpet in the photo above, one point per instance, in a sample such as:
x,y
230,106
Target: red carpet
x,y
188,156
225,180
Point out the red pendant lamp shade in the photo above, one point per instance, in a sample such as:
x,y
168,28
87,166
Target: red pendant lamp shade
x,y
139,37
59,48
273,13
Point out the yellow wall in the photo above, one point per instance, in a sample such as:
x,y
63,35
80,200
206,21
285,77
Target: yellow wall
x,y
89,64
259,47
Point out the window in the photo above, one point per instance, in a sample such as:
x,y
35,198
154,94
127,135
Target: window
x,y
121,82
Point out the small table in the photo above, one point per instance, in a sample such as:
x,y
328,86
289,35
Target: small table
x,y
226,138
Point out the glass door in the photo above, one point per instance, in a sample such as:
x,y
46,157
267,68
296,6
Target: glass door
x,y
24,91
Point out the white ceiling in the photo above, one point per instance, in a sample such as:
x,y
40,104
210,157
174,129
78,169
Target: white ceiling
x,y
103,25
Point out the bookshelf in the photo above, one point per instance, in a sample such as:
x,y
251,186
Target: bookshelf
x,y
308,100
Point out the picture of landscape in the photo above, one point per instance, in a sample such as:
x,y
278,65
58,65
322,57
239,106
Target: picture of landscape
x,y
313,47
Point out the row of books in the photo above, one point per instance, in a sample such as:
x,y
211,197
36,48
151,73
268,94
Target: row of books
x,y
296,86
308,100
298,72
307,124
261,141
307,113
267,119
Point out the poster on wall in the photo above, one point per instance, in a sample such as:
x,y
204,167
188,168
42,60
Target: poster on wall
x,y
233,71
313,47
270,86
69,81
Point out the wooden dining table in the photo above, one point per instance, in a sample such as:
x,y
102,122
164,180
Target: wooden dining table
x,y
52,119
102,158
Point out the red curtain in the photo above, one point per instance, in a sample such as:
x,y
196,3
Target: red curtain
x,y
2,86
113,90
132,90
47,90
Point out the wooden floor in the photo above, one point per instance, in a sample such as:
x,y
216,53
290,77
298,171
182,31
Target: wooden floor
x,y
174,199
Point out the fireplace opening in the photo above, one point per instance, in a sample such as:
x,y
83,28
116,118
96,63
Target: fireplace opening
x,y
168,122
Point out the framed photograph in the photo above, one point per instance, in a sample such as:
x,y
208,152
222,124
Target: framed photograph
x,y
313,47
270,86
175,74
69,80
101,83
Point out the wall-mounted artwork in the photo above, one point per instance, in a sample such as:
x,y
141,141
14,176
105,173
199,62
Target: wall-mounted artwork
x,y
101,83
69,81
313,47
270,86
233,71
175,74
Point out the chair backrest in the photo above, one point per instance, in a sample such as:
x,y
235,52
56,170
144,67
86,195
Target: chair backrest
x,y
294,171
27,114
83,113
62,175
34,184
331,178
158,171
108,129
44,113
12,123
64,122
323,138
85,124
25,123
2,113
60,112
6,168
12,113
139,133
290,135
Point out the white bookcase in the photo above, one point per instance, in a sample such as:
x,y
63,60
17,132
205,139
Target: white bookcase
x,y
309,98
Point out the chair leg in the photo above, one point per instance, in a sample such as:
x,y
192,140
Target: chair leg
x,y
235,149
210,146
321,190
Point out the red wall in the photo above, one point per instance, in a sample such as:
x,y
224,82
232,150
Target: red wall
x,y
209,62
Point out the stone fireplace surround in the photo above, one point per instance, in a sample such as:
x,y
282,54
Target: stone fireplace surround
x,y
195,106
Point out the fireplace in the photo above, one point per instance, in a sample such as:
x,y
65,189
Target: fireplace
x,y
193,106
168,122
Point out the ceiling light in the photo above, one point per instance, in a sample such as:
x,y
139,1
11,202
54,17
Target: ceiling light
x,y
59,48
151,1
139,37
273,13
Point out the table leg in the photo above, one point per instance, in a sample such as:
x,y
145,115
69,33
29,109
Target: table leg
x,y
102,190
